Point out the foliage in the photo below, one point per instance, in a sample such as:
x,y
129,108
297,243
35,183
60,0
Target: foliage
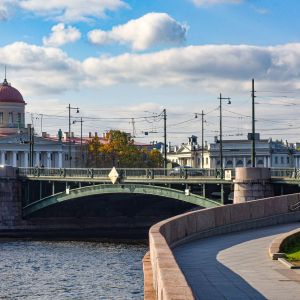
x,y
118,149
292,249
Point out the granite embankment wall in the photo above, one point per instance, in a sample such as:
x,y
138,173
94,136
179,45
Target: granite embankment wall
x,y
167,280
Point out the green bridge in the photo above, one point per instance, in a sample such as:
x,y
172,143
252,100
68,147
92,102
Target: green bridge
x,y
46,187
117,189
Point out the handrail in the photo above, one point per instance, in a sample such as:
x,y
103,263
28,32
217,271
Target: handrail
x,y
136,173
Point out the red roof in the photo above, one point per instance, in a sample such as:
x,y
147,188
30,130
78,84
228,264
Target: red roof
x,y
10,94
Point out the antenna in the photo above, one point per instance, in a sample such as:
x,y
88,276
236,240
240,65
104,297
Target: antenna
x,y
5,80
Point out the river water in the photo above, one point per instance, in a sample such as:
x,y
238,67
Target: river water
x,y
71,270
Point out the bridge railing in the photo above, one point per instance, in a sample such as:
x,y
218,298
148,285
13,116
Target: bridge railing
x,y
285,172
134,173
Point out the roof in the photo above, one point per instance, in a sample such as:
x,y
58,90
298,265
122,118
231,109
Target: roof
x,y
10,94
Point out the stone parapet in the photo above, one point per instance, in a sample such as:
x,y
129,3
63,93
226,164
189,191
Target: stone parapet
x,y
168,280
276,247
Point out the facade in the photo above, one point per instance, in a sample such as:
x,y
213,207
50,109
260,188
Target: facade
x,y
237,153
15,149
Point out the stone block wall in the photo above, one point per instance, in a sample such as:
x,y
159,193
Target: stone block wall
x,y
168,280
251,184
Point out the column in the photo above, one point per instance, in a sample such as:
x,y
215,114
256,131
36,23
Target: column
x,y
3,157
37,159
25,159
234,162
14,160
48,160
245,162
265,162
59,159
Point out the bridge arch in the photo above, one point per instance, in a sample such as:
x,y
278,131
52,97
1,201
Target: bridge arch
x,y
101,189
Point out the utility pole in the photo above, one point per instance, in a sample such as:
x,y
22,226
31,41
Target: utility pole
x,y
165,138
221,138
202,140
81,148
77,111
31,145
253,126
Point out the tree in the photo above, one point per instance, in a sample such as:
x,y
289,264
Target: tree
x,y
118,149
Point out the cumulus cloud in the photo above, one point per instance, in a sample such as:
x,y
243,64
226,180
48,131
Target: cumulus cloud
x,y
152,29
209,67
65,10
212,2
61,35
41,70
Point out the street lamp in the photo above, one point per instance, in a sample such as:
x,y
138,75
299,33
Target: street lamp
x,y
221,140
81,152
77,111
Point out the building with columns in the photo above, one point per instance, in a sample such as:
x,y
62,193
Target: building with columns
x,y
237,153
15,140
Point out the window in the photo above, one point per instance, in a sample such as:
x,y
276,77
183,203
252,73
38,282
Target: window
x,y
287,160
1,117
10,118
19,119
260,162
66,157
239,163
229,163
276,160
282,161
206,160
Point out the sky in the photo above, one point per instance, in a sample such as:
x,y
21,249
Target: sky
x,y
121,62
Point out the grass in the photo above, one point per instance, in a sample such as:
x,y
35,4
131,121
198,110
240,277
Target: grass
x,y
292,250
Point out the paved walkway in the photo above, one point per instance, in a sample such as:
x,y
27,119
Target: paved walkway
x,y
237,266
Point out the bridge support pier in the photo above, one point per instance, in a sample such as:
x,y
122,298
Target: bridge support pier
x,y
10,198
251,184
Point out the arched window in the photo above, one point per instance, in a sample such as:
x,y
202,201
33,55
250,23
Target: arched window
x,y
229,163
260,162
239,163
249,162
218,162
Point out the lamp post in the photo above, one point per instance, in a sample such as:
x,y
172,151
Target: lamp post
x,y
81,152
77,111
221,138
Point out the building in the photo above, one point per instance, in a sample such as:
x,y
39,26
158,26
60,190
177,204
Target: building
x,y
237,153
18,146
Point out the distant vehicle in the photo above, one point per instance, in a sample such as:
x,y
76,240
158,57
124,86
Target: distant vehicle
x,y
182,170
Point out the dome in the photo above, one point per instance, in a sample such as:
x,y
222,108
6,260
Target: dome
x,y
10,94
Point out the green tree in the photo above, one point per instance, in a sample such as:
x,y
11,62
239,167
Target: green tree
x,y
118,149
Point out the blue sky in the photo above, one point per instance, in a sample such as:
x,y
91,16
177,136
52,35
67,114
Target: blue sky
x,y
130,59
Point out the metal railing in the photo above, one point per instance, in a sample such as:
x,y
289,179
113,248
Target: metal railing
x,y
125,173
292,173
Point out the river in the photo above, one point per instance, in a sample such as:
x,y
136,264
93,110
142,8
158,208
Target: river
x,y
71,270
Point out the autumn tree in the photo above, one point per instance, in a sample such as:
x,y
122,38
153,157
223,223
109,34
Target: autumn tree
x,y
118,149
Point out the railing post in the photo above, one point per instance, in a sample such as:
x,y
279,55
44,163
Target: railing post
x,y
222,193
203,190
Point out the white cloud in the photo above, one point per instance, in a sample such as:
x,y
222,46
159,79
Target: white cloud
x,y
65,10
152,29
45,70
209,67
40,70
61,35
212,2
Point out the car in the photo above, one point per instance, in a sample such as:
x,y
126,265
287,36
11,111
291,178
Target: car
x,y
185,170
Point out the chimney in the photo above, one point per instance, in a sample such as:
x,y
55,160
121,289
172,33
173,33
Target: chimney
x,y
90,134
96,134
66,135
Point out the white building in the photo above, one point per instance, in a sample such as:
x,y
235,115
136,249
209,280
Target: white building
x,y
237,153
15,143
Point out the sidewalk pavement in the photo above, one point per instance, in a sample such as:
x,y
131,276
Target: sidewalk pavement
x,y
237,266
